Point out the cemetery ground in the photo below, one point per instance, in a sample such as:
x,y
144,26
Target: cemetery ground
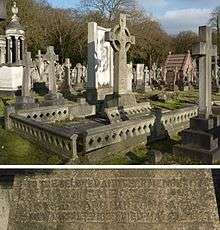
x,y
16,150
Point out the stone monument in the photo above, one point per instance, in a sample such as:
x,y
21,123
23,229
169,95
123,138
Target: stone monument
x,y
2,10
26,101
11,73
147,80
53,97
120,40
100,64
112,200
201,139
139,76
67,78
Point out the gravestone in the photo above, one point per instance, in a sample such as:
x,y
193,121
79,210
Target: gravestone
x,y
50,57
2,10
147,80
201,139
53,97
139,76
113,200
154,71
100,64
120,40
26,101
67,78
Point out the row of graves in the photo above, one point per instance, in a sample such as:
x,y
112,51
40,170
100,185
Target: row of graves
x,y
108,117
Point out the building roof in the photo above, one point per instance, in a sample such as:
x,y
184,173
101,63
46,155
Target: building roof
x,y
176,61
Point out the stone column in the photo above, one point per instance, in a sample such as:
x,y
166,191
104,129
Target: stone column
x,y
16,50
22,48
8,47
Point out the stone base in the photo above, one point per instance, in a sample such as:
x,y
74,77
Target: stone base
x,y
52,99
124,100
95,95
201,140
10,78
25,103
199,155
147,88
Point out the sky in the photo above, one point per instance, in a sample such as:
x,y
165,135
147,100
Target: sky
x,y
174,15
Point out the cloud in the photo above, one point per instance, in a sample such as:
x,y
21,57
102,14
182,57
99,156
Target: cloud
x,y
185,19
154,3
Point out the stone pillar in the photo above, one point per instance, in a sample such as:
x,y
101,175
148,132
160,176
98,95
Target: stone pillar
x,y
22,48
16,50
8,50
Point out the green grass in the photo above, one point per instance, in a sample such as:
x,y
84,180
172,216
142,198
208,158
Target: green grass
x,y
17,150
171,104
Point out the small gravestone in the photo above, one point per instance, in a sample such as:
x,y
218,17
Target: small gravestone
x,y
117,199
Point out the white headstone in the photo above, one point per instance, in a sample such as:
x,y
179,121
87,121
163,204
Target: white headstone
x,y
100,58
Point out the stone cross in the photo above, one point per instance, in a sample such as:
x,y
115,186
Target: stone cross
x,y
154,71
67,66
205,50
50,57
120,40
147,80
28,64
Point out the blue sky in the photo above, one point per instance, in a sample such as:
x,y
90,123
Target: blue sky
x,y
174,15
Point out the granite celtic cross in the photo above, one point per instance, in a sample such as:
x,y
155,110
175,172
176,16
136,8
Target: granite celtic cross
x,y
120,40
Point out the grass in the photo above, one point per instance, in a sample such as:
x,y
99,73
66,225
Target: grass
x,y
17,150
170,105
144,155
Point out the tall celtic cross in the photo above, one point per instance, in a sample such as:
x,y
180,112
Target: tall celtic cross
x,y
205,50
51,58
121,41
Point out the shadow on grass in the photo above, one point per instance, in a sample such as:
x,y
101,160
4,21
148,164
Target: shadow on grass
x,y
145,154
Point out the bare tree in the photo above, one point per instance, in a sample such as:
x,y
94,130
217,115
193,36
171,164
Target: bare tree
x,y
108,8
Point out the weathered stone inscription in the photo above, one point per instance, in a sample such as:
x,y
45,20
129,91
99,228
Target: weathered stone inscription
x,y
114,200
